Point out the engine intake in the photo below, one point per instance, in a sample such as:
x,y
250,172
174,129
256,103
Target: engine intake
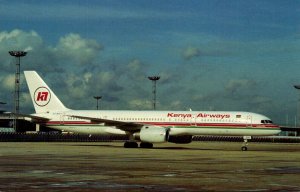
x,y
153,134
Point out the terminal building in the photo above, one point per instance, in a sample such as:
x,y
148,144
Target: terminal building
x,y
23,126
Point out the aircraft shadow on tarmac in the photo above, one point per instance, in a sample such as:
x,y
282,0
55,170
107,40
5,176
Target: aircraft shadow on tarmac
x,y
154,148
277,149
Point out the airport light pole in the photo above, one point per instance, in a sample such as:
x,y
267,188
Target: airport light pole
x,y
97,98
298,106
154,79
17,55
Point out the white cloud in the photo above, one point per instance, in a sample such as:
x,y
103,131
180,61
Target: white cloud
x,y
141,104
135,70
235,85
87,76
19,40
134,65
71,49
176,105
80,50
190,53
8,82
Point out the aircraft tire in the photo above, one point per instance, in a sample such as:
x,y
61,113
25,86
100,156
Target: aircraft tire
x,y
130,144
146,145
244,148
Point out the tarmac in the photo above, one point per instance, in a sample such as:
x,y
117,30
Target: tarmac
x,y
107,166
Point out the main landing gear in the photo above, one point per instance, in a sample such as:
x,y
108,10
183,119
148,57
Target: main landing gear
x,y
245,144
146,145
130,144
133,144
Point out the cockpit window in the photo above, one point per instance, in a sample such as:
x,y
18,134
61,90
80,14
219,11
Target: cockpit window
x,y
266,122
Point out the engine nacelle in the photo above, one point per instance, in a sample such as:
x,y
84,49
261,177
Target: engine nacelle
x,y
180,139
153,134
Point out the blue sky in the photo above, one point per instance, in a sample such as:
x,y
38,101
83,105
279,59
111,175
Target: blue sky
x,y
210,54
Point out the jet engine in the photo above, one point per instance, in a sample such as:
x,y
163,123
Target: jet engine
x,y
153,134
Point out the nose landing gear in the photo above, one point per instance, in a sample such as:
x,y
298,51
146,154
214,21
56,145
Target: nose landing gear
x,y
245,144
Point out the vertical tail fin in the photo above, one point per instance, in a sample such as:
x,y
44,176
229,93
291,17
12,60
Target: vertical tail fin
x,y
43,98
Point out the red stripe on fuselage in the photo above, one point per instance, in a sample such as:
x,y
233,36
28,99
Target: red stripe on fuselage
x,y
177,124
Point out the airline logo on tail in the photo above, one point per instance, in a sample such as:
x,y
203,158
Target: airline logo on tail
x,y
42,96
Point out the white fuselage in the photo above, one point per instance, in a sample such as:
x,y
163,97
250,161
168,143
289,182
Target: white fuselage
x,y
178,122
147,126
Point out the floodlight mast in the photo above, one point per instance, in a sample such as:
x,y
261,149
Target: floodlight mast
x,y
97,98
17,55
298,107
154,79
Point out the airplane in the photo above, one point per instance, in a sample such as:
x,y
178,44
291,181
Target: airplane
x,y
148,127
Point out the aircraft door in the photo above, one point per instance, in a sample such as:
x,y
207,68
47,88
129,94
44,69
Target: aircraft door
x,y
249,120
194,120
62,118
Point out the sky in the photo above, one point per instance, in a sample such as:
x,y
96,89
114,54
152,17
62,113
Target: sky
x,y
228,55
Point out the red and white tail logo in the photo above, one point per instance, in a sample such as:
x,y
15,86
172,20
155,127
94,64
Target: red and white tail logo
x,y
42,96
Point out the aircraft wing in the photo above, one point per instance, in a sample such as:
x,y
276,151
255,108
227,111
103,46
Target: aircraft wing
x,y
33,118
125,126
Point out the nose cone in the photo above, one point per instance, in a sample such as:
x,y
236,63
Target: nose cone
x,y
274,127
